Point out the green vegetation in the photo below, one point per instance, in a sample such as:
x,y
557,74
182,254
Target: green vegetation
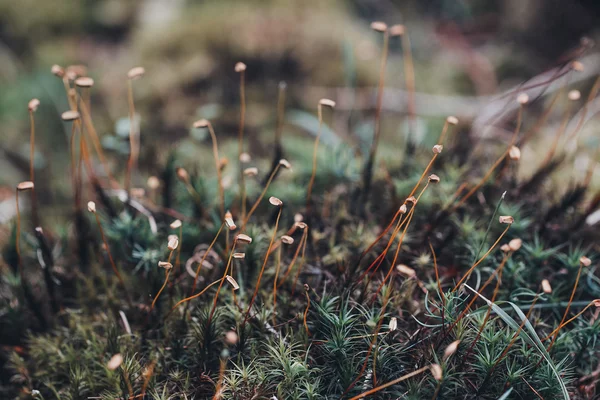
x,y
287,273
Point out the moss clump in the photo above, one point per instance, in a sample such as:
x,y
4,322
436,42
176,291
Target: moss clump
x,y
427,286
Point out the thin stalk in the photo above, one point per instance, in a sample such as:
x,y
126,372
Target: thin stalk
x,y
412,192
147,375
277,269
161,289
377,262
31,145
541,121
487,253
302,260
27,293
385,303
241,140
111,260
18,239
557,137
34,208
314,160
87,121
439,284
390,383
133,139
557,330
368,170
497,163
262,270
306,290
379,237
204,257
178,257
218,165
489,227
262,194
70,100
516,334
242,114
165,282
294,258
219,388
74,167
400,240
214,305
442,136
194,296
409,74
176,266
468,307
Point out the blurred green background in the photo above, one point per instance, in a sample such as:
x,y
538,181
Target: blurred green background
x,y
464,52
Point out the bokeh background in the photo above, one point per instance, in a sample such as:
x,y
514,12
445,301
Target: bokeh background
x,y
466,53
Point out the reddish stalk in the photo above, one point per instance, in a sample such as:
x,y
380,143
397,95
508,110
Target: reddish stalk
x,y
89,126
385,303
449,121
219,388
380,236
522,101
73,116
466,276
400,240
468,307
301,244
302,260
283,163
262,270
134,134
203,123
241,69
595,302
390,383
322,102
306,290
194,296
277,269
437,275
377,262
439,284
409,74
216,297
204,258
368,170
173,244
583,261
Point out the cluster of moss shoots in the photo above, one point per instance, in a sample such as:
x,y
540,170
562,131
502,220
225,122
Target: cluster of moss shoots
x,y
406,284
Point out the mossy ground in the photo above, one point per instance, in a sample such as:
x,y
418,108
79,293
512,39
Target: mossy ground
x,y
342,323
